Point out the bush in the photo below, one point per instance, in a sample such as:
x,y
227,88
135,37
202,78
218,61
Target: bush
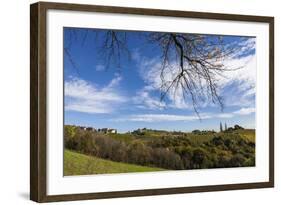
x,y
199,158
237,160
138,153
165,158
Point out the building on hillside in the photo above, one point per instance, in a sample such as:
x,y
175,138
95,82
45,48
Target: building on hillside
x,y
87,128
107,130
103,130
113,131
140,130
90,129
82,128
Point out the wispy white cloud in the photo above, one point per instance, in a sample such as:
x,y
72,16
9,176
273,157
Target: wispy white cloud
x,y
245,111
158,118
150,71
236,86
173,118
100,67
83,96
145,100
223,115
246,47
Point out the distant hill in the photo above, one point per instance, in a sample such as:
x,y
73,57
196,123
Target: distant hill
x,y
80,164
195,138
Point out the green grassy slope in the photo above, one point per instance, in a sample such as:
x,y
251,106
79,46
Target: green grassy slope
x,y
80,164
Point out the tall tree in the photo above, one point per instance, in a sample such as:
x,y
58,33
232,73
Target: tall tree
x,y
221,129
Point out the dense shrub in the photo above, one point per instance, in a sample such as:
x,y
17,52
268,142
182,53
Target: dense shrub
x,y
139,153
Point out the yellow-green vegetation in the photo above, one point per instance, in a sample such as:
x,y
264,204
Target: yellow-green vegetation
x,y
81,164
125,137
248,134
172,150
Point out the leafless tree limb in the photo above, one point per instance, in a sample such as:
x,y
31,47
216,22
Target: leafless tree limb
x,y
198,59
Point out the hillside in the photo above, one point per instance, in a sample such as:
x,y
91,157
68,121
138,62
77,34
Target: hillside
x,y
80,164
171,150
248,134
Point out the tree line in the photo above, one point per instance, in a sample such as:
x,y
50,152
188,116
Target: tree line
x,y
169,152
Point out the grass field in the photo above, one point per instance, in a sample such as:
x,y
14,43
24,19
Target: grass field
x,y
80,164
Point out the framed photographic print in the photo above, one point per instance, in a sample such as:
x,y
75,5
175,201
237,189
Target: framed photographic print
x,y
135,102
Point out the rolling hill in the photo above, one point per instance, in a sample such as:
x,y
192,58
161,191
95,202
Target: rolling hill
x,y
80,164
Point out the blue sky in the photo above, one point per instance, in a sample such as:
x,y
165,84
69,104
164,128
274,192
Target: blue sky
x,y
128,97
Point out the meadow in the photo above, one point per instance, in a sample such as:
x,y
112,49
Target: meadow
x,y
80,164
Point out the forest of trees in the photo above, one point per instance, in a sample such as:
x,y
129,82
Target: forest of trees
x,y
167,150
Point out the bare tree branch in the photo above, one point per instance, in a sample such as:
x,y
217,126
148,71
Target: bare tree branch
x,y
198,59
